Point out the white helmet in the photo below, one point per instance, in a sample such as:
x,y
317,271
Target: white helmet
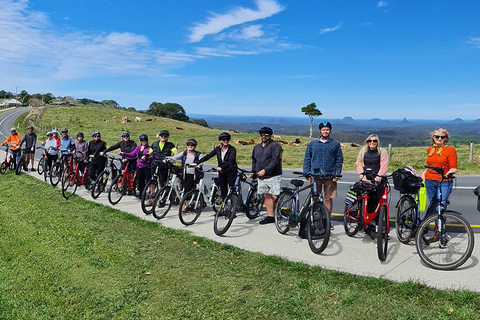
x,y
410,169
13,129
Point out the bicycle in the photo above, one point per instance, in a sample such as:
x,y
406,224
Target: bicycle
x,y
8,162
172,191
356,215
444,239
42,163
108,174
56,171
233,202
123,182
21,163
313,216
73,178
193,201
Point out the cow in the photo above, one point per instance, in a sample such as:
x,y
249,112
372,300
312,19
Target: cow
x,y
137,119
179,128
114,119
251,141
236,131
105,120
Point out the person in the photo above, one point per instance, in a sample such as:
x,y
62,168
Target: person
x,y
126,145
67,144
227,162
51,148
159,151
57,138
373,160
30,140
189,157
81,148
440,155
267,165
14,140
97,163
142,152
324,155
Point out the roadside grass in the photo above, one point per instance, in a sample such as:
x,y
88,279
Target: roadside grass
x,y
88,119
79,260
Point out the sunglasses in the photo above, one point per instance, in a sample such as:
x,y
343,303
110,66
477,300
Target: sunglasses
x,y
163,136
439,137
368,141
96,136
190,145
224,140
265,134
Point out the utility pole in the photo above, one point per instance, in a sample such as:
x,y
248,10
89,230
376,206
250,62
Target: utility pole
x,y
16,88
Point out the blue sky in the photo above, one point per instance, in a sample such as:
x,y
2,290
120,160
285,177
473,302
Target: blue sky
x,y
364,59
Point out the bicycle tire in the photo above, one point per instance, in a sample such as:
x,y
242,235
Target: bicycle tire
x,y
452,249
11,165
254,204
190,207
117,189
100,183
20,164
318,227
3,168
56,174
162,202
148,196
41,166
283,211
216,199
405,219
69,185
352,218
382,233
224,217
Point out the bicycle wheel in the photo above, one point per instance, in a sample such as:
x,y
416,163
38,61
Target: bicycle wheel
x,y
254,204
352,218
100,183
448,249
56,174
20,165
162,202
382,233
12,165
41,166
69,185
216,198
405,219
148,194
224,216
318,227
190,207
117,189
3,168
283,211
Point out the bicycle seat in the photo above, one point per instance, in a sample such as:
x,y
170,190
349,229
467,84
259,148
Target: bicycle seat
x,y
415,184
297,183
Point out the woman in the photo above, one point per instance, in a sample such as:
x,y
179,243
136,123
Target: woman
x,y
227,162
81,148
440,155
142,152
97,163
52,150
189,157
161,149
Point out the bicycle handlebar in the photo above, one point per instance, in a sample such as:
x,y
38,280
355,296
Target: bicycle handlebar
x,y
441,171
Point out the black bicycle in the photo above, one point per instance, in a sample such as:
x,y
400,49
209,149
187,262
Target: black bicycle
x,y
108,174
21,164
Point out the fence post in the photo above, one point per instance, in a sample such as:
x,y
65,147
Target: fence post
x,y
470,155
389,151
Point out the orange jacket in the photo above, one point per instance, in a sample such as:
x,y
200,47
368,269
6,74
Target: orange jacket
x,y
14,141
447,159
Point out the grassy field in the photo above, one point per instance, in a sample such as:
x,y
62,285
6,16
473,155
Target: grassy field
x,y
88,119
80,260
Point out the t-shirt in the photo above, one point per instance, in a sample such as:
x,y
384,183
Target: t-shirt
x,y
446,159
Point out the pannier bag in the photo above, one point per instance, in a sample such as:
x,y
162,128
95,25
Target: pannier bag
x,y
405,181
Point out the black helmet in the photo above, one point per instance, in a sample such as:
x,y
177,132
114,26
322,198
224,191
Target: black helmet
x,y
64,130
325,124
143,137
80,134
126,134
95,133
266,130
191,141
163,133
224,136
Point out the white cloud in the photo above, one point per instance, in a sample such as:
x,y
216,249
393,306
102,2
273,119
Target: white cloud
x,y
325,30
381,4
217,22
475,42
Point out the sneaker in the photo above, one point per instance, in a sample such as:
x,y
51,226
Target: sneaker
x,y
267,220
33,170
332,227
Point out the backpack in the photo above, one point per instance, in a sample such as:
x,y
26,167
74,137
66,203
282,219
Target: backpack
x,y
405,182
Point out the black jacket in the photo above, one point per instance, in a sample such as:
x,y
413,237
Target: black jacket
x,y
94,148
229,162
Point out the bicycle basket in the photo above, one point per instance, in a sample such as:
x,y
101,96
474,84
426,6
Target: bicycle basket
x,y
405,182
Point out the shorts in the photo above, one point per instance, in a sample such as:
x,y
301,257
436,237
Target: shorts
x,y
270,185
29,151
329,188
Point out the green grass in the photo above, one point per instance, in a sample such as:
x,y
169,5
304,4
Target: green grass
x,y
79,260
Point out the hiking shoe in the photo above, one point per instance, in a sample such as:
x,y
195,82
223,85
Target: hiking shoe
x,y
433,239
33,170
267,220
149,203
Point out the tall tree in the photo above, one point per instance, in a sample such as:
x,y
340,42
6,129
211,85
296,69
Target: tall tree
x,y
311,111
167,110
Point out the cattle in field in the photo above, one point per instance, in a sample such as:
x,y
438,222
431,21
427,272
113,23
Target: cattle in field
x,y
152,120
275,137
137,119
251,141
114,119
236,131
125,120
179,128
105,120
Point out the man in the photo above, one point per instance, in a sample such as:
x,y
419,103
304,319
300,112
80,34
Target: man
x,y
14,139
267,165
159,151
126,145
324,156
66,143
30,139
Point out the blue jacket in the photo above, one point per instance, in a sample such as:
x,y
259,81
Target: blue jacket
x,y
326,156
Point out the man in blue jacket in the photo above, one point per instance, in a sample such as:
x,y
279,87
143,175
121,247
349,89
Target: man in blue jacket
x,y
324,156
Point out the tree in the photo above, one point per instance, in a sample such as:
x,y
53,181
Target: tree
x,y
110,103
311,111
167,110
200,122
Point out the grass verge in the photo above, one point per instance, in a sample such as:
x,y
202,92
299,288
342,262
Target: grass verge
x,y
80,260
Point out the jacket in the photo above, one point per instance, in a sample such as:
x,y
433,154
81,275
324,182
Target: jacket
x,y
137,153
268,157
326,156
229,161
14,140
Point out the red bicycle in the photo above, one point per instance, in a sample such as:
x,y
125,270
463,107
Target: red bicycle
x,y
356,215
8,162
72,177
124,182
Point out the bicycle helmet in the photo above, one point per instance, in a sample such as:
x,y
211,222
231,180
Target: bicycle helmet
x,y
143,137
94,133
49,134
265,130
191,141
30,127
163,133
125,134
324,124
64,130
224,136
55,131
410,169
13,130
80,134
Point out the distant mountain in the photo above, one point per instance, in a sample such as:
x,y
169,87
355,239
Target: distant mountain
x,y
456,121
